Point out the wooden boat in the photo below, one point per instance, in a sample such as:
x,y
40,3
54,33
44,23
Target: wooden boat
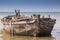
x,y
28,25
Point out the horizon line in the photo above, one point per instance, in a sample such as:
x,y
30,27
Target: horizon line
x,y
10,11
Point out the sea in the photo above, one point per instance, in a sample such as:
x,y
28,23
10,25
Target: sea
x,y
55,34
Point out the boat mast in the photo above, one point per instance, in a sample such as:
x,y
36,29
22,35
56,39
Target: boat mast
x,y
17,12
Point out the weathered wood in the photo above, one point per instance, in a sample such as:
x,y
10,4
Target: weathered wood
x,y
25,25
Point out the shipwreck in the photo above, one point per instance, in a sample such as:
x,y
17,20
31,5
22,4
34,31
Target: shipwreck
x,y
28,25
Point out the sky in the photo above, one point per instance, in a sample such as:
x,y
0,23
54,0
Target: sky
x,y
30,5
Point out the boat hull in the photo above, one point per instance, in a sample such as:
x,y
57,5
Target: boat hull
x,y
42,30
28,25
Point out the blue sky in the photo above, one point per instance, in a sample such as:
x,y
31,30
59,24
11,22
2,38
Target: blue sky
x,y
30,5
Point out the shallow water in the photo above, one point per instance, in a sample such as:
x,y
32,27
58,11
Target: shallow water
x,y
6,36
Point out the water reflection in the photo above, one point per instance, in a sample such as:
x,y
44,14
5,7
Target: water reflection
x,y
6,36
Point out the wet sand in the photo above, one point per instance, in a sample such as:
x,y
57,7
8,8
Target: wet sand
x,y
6,36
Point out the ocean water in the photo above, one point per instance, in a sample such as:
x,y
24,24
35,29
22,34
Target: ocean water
x,y
55,33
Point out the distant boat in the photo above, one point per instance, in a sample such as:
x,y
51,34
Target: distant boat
x,y
28,25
